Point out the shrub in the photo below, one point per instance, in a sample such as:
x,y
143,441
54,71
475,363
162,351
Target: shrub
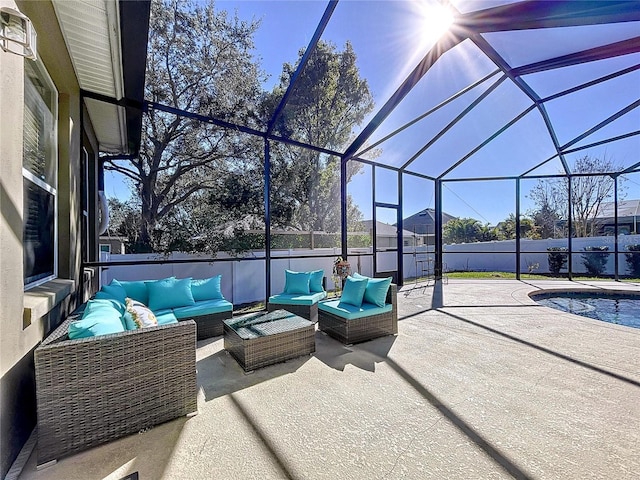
x,y
595,259
557,259
633,259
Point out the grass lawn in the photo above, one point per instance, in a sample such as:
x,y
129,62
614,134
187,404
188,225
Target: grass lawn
x,y
527,276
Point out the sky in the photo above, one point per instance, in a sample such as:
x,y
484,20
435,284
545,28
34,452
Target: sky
x,y
390,37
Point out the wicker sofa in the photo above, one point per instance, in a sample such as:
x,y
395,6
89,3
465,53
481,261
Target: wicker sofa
x,y
204,303
370,322
93,390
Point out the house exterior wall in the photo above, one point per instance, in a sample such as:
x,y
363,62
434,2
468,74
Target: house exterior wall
x,y
27,317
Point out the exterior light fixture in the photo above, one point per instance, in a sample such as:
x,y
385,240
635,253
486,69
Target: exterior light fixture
x,y
17,34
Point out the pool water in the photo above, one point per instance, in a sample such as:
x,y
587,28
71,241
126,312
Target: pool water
x,y
615,308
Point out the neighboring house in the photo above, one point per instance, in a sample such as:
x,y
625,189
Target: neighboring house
x,y
58,115
112,244
387,235
423,222
628,218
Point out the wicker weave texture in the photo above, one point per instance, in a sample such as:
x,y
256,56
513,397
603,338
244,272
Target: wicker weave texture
x,y
310,312
362,329
93,390
278,343
209,325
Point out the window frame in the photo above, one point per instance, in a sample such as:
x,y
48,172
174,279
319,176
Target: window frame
x,y
50,186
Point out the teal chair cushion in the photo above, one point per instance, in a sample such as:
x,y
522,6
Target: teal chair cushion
x,y
376,291
353,291
297,282
296,299
351,312
315,281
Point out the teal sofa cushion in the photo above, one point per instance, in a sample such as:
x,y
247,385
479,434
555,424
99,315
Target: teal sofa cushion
x,y
100,317
376,291
353,291
170,293
206,307
351,312
136,290
297,299
207,289
166,317
297,282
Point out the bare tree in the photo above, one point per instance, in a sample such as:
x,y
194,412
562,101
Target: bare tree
x,y
588,192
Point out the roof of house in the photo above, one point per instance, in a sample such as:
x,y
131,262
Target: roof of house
x,y
626,208
384,229
423,221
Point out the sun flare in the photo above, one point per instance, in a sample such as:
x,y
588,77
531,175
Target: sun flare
x,y
436,19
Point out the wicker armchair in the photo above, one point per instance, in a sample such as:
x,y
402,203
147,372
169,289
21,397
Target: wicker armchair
x,y
362,329
93,390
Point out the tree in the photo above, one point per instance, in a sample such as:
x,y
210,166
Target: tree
x,y
558,258
467,230
199,60
595,259
124,221
507,228
329,100
588,192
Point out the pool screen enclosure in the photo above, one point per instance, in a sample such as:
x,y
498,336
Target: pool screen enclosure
x,y
559,77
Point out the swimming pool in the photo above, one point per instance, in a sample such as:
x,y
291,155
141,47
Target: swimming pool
x,y
618,308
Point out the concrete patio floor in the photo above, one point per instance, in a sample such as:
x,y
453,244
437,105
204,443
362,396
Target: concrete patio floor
x,y
479,383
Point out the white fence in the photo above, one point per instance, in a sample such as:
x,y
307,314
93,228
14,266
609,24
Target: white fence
x,y
243,281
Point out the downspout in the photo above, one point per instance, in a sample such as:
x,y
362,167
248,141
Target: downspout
x,y
103,205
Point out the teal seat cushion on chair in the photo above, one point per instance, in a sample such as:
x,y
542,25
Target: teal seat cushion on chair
x,y
351,312
296,299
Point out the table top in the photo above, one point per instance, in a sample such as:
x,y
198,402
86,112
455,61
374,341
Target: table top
x,y
262,324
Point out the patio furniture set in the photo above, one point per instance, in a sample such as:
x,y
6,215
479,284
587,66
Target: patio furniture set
x,y
116,366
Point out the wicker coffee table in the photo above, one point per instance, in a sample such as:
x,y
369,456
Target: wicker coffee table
x,y
265,338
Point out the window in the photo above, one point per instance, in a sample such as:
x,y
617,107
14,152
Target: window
x,y
105,248
39,172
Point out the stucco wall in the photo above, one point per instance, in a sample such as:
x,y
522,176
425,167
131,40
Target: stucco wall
x,y
20,333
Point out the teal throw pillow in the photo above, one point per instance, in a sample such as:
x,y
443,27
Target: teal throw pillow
x,y
170,293
115,292
136,289
315,281
353,291
297,282
100,317
207,289
376,291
